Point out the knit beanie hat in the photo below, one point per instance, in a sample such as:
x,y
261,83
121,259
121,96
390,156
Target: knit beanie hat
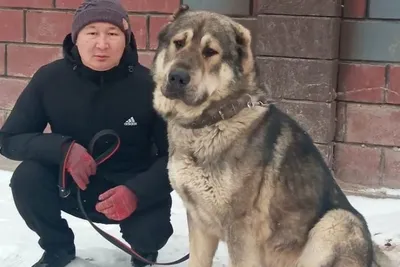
x,y
110,11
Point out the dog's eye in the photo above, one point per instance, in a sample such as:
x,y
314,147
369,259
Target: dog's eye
x,y
179,44
209,52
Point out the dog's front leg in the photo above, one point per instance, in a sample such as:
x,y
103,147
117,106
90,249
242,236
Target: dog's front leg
x,y
242,247
203,245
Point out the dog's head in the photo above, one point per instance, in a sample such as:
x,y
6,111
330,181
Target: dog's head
x,y
202,57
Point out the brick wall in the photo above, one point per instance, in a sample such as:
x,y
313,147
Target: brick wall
x,y
368,123
327,62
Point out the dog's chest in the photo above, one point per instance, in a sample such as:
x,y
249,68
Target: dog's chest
x,y
206,192
202,167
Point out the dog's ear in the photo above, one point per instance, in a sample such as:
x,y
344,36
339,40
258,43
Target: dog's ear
x,y
164,29
182,9
244,43
162,34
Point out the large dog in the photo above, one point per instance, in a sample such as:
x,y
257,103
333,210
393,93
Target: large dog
x,y
247,173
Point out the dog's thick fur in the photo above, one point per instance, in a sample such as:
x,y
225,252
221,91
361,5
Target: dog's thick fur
x,y
247,173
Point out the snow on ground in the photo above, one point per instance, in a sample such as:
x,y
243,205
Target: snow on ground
x,y
18,245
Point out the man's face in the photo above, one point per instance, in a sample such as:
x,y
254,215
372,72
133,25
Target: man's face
x,y
101,45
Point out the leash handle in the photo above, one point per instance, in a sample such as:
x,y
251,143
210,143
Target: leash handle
x,y
65,192
110,151
63,189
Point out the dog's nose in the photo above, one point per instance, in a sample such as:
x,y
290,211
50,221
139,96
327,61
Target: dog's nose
x,y
179,78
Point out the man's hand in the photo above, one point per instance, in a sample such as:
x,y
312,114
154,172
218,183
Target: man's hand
x,y
118,203
80,165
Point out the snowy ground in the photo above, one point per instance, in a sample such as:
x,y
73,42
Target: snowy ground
x,y
18,245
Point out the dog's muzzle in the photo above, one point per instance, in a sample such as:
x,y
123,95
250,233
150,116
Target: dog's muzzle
x,y
178,79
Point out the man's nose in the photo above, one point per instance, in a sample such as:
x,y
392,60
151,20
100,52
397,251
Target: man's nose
x,y
102,42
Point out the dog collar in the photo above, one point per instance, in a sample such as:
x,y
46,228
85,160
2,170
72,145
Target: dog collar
x,y
226,109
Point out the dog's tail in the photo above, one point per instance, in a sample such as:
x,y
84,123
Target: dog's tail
x,y
380,258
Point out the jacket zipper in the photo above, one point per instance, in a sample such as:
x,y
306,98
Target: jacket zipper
x,y
101,82
95,106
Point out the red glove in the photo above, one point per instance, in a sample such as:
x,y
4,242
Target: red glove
x,y
118,203
80,165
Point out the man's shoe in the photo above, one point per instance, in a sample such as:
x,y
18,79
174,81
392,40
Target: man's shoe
x,y
55,259
151,256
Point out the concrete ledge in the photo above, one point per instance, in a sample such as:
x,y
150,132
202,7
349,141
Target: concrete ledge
x,y
8,165
352,189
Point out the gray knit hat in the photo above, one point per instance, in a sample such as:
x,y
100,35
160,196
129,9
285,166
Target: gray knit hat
x,y
110,11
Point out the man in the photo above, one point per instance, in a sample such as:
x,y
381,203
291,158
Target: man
x,y
98,84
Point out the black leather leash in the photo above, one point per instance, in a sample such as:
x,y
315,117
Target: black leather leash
x,y
65,192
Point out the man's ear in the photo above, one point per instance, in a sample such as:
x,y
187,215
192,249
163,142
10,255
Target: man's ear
x,y
244,43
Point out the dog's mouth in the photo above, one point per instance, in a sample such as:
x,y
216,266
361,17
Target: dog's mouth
x,y
187,96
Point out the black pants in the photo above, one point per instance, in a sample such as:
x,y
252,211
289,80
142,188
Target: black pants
x,y
35,192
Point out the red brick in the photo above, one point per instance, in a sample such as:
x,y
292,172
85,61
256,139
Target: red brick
x,y
361,82
70,4
355,8
369,124
156,23
391,170
146,58
26,3
357,164
162,6
139,29
11,25
10,88
24,60
393,95
47,26
2,58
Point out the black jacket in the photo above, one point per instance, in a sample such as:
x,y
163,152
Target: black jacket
x,y
77,103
